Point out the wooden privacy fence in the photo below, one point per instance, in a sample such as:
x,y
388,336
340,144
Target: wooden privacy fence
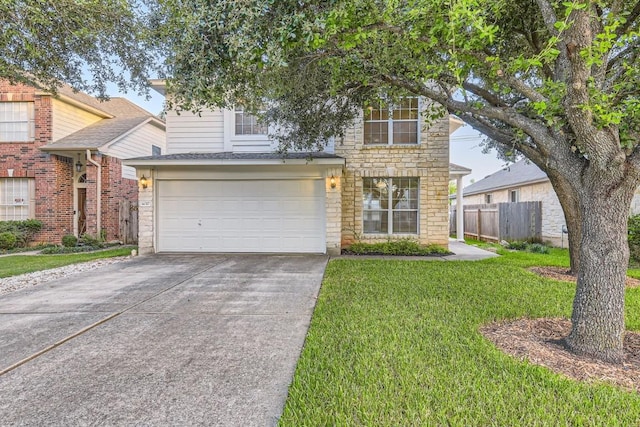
x,y
501,221
128,222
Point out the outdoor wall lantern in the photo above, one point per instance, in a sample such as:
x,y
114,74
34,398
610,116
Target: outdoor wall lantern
x,y
332,181
78,165
143,181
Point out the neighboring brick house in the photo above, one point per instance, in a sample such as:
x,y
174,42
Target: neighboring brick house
x,y
60,159
222,187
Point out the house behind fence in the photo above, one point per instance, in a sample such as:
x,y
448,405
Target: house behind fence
x,y
501,221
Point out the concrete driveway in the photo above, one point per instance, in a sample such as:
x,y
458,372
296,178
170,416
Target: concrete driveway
x,y
158,340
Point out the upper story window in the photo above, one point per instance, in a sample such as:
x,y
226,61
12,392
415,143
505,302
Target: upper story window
x,y
393,125
514,196
17,122
156,151
488,198
248,124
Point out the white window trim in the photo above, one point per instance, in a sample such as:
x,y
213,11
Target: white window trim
x,y
390,212
31,122
231,139
517,193
390,129
28,202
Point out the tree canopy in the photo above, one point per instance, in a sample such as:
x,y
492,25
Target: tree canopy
x,y
86,44
556,81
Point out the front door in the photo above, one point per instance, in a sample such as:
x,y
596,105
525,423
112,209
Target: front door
x,y
81,211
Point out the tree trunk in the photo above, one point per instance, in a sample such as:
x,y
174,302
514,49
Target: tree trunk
x,y
598,308
568,197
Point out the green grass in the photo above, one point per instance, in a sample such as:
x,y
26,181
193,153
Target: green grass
x,y
396,343
20,264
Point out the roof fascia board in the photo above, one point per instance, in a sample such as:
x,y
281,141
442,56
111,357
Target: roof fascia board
x,y
505,187
234,162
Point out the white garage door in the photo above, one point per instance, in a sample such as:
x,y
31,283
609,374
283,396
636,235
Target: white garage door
x,y
241,216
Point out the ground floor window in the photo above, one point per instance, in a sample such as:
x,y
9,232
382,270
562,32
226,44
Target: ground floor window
x,y
390,205
17,196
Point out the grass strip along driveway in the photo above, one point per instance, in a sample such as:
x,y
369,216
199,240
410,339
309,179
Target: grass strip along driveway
x,y
396,343
19,264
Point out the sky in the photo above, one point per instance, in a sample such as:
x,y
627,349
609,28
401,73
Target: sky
x,y
465,147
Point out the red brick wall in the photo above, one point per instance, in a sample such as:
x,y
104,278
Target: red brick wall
x,y
54,175
115,190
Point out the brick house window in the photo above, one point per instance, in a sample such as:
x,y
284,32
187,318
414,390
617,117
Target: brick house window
x,y
247,124
17,122
17,198
393,125
390,205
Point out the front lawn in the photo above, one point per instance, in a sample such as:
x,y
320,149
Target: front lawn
x,y
20,264
396,343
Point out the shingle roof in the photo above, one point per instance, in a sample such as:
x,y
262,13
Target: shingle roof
x,y
126,114
515,175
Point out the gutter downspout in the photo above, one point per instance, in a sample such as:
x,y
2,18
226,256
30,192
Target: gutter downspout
x,y
98,194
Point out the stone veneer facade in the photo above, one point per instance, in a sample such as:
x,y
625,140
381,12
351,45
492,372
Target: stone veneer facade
x,y
428,161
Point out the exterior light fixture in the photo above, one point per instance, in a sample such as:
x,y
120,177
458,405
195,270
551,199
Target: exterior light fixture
x,y
78,165
143,182
332,181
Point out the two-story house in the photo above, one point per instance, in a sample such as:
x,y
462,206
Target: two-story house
x,y
221,187
61,159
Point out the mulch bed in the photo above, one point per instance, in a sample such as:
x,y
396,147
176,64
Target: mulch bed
x,y
540,342
561,273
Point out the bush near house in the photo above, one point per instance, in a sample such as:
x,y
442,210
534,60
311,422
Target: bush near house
x,y
634,238
400,247
22,232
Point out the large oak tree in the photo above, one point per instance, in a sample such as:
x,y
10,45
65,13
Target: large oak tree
x,y
86,44
556,81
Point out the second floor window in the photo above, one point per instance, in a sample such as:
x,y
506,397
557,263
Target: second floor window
x,y
17,121
248,124
393,125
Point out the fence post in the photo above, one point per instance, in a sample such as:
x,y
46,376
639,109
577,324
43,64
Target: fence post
x,y
479,224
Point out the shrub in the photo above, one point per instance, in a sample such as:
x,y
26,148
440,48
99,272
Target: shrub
x,y
23,230
8,240
517,245
90,240
633,232
69,240
537,248
395,247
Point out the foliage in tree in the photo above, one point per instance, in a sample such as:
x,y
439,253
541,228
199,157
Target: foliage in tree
x,y
555,81
86,44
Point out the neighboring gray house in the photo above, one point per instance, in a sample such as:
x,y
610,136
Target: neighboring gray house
x,y
523,181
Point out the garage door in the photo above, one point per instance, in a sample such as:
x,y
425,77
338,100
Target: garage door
x,y
241,216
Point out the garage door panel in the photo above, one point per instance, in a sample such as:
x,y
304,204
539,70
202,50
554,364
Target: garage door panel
x,y
241,216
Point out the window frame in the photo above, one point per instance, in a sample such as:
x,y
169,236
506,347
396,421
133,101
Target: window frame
x,y
29,123
23,202
515,193
488,198
253,123
390,210
389,113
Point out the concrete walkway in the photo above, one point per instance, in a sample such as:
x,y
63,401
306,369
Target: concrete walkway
x,y
158,341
